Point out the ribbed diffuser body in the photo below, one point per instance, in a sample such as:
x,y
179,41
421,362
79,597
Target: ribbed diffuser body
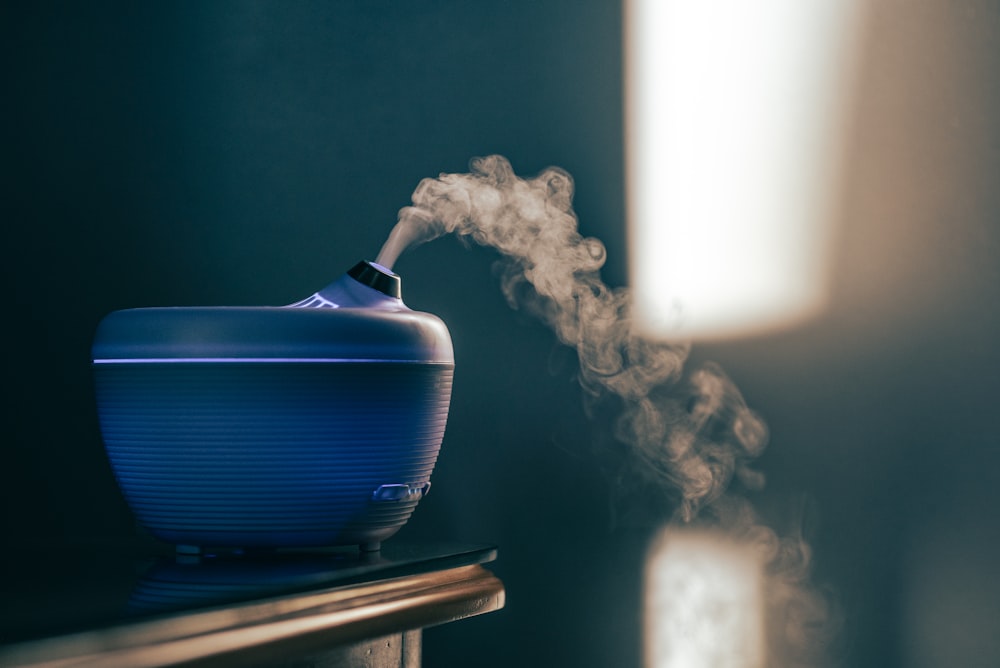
x,y
314,424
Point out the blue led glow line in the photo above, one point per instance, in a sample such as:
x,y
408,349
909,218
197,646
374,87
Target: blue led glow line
x,y
188,360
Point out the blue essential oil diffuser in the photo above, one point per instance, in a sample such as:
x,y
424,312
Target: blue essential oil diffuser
x,y
313,424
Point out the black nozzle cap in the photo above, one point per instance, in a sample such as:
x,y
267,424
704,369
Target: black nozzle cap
x,y
377,277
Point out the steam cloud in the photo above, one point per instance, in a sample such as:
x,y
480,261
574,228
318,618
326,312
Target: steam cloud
x,y
688,435
695,446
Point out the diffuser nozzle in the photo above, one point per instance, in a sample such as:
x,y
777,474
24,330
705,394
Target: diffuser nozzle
x,y
366,284
377,277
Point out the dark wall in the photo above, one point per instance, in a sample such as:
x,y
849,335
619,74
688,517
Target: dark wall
x,y
248,153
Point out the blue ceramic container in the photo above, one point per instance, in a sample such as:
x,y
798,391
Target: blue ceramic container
x,y
317,423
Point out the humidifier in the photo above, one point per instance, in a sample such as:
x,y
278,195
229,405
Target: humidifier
x,y
313,424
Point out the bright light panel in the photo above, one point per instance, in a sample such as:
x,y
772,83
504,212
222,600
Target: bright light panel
x,y
703,603
732,111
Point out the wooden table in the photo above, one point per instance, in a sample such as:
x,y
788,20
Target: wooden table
x,y
288,608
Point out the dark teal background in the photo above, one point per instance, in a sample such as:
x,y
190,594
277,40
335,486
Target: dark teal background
x,y
249,152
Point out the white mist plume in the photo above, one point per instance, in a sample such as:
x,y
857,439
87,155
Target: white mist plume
x,y
687,434
694,444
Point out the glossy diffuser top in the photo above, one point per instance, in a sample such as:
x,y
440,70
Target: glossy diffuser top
x,y
360,317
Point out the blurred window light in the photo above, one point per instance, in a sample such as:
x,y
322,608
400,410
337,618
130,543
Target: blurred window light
x,y
732,117
703,603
